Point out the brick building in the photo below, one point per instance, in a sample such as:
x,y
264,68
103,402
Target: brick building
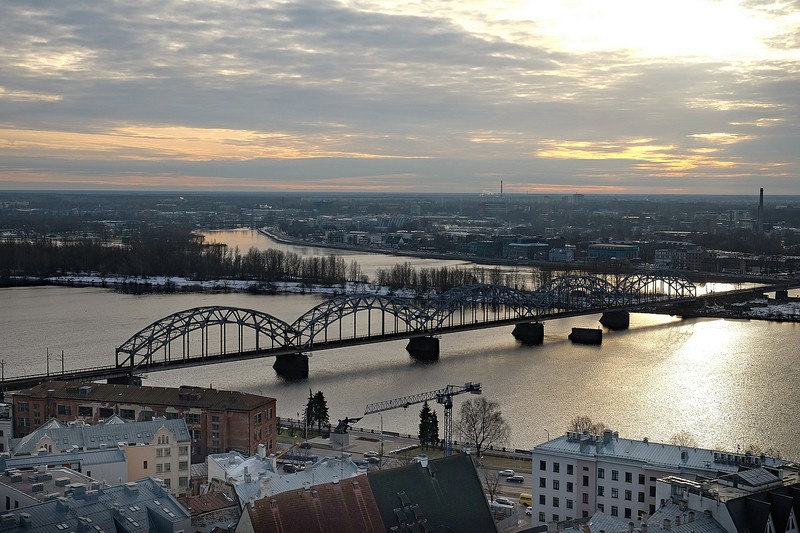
x,y
218,421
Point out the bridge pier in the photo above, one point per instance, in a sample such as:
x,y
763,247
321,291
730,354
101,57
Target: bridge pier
x,y
126,380
423,348
529,333
293,366
615,320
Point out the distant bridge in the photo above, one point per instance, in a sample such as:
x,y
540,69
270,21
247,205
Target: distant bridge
x,y
208,335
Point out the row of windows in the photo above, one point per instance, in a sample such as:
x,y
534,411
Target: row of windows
x,y
556,467
556,501
601,473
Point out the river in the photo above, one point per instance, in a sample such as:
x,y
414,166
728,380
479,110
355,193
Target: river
x,y
729,383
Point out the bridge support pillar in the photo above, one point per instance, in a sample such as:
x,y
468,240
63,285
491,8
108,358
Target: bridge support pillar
x,y
423,348
294,366
126,380
615,320
529,333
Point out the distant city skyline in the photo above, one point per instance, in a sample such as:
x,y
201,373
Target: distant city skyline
x,y
616,97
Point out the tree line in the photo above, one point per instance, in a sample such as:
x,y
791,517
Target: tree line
x,y
176,252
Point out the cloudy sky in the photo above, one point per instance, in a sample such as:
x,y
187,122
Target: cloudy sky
x,y
547,96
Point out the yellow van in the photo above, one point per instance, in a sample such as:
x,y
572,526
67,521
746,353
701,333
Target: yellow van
x,y
525,499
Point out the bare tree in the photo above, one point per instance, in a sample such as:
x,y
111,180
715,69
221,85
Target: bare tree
x,y
481,423
684,438
491,482
580,424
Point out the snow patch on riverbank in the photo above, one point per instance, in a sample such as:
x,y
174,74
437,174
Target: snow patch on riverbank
x,y
185,284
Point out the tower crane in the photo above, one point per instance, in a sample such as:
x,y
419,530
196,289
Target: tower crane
x,y
443,396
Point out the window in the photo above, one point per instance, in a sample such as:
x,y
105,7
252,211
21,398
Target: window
x,y
555,501
601,507
183,450
215,418
159,468
641,497
614,510
585,481
614,475
585,497
585,514
23,422
628,477
614,492
144,465
22,407
555,518
601,473
569,504
105,412
570,470
541,516
542,499
601,490
652,492
257,418
85,411
163,452
542,483
269,413
64,409
556,484
569,486
192,418
183,482
641,479
128,414
556,467
542,465
163,439
628,496
147,415
183,466
170,416
167,482
627,512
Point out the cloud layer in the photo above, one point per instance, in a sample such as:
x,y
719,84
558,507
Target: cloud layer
x,y
681,97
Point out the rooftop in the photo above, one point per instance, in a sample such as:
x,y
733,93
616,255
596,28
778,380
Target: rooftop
x,y
609,445
184,396
141,506
106,434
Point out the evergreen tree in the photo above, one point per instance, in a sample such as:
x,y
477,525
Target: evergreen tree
x,y
428,426
320,410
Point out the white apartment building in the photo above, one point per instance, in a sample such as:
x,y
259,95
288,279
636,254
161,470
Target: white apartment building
x,y
578,474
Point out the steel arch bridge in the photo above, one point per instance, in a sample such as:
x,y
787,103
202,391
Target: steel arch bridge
x,y
204,335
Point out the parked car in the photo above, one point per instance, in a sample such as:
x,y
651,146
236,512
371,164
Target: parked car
x,y
515,479
529,511
373,460
505,502
507,473
371,453
306,445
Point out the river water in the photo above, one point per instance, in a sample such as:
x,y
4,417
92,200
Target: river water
x,y
729,383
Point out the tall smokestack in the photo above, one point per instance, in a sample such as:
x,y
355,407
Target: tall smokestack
x,y
501,189
761,211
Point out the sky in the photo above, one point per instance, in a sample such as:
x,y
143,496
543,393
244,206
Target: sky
x,y
543,96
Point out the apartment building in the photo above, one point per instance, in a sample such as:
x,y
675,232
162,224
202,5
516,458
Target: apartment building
x,y
158,448
578,474
218,421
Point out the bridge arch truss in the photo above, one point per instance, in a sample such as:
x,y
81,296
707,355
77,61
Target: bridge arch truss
x,y
197,329
334,318
654,285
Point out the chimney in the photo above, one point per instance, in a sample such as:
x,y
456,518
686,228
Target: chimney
x,y
677,520
666,525
691,517
761,211
607,434
262,450
25,521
